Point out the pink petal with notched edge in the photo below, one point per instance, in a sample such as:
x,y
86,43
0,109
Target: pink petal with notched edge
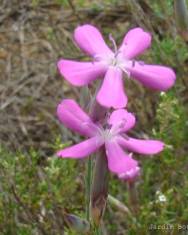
x,y
111,93
80,73
153,76
73,117
141,146
130,175
81,150
118,161
122,115
90,40
135,42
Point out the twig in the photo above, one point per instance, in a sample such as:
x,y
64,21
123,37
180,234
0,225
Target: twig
x,y
74,9
27,210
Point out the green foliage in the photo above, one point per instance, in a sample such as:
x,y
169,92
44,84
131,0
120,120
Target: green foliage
x,y
63,2
169,50
162,190
35,2
32,188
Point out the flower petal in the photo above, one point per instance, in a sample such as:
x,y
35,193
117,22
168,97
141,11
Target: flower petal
x,y
73,117
80,73
111,93
81,150
135,42
122,116
153,76
90,40
130,175
141,146
118,161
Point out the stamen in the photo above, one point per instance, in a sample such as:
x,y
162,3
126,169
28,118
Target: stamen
x,y
114,43
126,71
118,127
107,117
105,134
117,52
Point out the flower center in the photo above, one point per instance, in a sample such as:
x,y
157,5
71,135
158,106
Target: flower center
x,y
111,132
115,61
106,134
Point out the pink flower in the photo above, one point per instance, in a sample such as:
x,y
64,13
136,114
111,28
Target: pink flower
x,y
111,65
113,137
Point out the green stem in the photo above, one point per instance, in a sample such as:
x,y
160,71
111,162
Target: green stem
x,y
88,187
97,112
98,230
133,197
99,191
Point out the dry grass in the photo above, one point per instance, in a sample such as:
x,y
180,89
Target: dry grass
x,y
32,37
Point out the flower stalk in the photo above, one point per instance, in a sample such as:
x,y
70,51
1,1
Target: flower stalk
x,y
133,196
88,187
99,191
181,16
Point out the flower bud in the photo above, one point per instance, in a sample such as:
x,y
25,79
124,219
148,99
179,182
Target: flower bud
x,y
76,223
